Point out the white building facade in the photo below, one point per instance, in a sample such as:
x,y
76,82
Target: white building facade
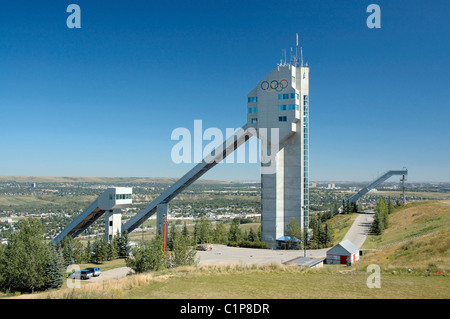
x,y
281,100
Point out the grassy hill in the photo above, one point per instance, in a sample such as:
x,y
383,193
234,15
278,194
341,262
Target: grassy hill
x,y
418,237
258,282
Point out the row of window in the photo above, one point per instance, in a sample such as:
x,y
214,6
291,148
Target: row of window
x,y
280,119
286,96
284,107
120,196
288,107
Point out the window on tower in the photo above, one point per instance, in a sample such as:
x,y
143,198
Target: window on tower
x,y
252,110
288,107
282,118
252,99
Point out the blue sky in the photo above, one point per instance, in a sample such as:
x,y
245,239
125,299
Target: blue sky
x,y
103,100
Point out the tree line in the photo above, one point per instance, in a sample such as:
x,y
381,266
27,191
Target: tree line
x,y
381,218
28,263
205,232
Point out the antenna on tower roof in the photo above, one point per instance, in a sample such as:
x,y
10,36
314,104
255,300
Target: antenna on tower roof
x,y
291,59
301,54
296,49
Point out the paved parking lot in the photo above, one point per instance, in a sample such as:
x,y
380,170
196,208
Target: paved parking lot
x,y
224,255
111,274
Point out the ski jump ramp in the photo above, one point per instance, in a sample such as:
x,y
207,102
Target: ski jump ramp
x,y
377,182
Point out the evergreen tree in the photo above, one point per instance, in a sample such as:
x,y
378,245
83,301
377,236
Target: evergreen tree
x,y
220,234
100,251
68,250
328,236
245,235
335,210
382,209
321,236
183,254
258,233
25,258
148,256
123,247
204,231
79,252
55,269
378,224
112,250
390,206
173,233
235,234
88,252
317,233
185,231
252,236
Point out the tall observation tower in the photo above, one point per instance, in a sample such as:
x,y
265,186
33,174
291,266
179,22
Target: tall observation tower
x,y
281,100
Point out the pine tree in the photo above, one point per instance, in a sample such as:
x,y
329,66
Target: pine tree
x,y
185,231
25,258
204,231
100,251
235,234
112,250
183,254
251,235
88,252
321,236
55,269
68,250
220,234
173,233
329,235
123,247
382,209
148,256
378,224
78,252
335,210
390,206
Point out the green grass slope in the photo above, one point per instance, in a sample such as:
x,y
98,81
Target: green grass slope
x,y
418,237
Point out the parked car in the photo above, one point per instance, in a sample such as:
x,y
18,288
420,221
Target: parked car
x,y
94,270
80,274
202,247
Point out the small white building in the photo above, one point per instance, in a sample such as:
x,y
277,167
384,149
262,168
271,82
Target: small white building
x,y
306,262
344,253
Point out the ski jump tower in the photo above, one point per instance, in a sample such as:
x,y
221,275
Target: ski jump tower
x,y
281,100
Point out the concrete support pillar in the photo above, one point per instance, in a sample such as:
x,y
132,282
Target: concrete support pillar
x,y
113,223
161,221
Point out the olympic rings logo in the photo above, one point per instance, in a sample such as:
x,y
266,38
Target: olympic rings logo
x,y
274,85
